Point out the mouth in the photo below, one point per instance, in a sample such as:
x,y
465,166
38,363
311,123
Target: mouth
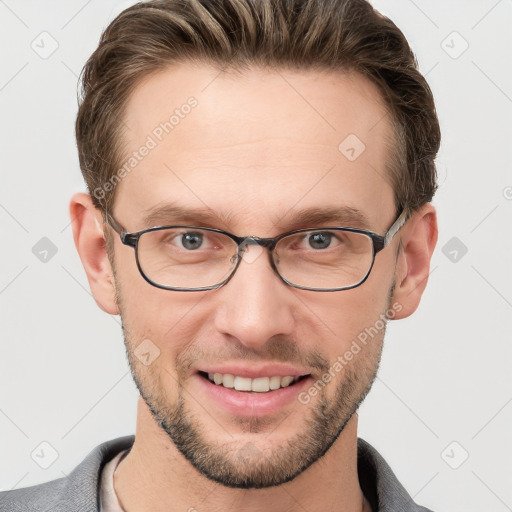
x,y
253,386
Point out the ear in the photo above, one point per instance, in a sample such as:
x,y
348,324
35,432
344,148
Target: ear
x,y
89,239
419,237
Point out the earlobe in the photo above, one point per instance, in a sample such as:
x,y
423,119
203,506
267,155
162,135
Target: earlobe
x,y
419,238
90,243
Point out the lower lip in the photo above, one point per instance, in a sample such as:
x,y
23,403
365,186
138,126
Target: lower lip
x,y
251,403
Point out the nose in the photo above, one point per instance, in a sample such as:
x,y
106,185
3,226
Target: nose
x,y
255,304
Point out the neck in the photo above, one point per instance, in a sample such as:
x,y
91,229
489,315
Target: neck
x,y
155,477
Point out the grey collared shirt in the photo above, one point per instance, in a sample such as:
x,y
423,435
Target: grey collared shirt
x,y
80,490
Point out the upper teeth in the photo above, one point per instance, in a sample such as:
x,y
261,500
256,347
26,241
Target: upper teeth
x,y
260,384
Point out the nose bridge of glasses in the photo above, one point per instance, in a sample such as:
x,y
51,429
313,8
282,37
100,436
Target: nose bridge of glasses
x,y
269,243
260,243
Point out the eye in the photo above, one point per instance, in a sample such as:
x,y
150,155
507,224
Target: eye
x,y
320,240
178,239
315,241
190,240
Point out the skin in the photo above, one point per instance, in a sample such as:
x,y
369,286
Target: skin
x,y
253,148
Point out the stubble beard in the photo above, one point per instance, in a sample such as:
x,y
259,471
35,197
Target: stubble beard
x,y
242,463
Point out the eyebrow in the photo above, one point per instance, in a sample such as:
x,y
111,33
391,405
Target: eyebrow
x,y
170,212
342,216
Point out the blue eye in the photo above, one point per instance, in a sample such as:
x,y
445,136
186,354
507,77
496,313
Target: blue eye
x,y
191,240
320,240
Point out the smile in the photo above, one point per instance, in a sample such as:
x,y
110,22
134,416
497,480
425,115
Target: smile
x,y
258,385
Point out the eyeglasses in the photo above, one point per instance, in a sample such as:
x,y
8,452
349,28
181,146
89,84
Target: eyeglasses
x,y
191,258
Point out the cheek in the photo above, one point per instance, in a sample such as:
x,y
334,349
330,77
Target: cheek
x,y
335,319
348,331
146,309
170,320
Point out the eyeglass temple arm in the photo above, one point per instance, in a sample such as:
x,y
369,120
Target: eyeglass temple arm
x,y
395,227
114,224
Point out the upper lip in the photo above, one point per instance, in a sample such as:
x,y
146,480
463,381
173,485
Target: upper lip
x,y
253,372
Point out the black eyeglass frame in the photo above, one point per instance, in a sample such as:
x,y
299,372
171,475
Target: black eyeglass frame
x,y
379,242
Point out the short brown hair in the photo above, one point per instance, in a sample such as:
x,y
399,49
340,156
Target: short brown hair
x,y
345,35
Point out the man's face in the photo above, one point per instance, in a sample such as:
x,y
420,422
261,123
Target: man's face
x,y
253,152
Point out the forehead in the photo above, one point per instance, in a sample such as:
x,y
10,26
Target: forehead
x,y
254,145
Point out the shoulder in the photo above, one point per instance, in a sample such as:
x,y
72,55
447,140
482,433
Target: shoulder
x,y
39,497
78,492
379,484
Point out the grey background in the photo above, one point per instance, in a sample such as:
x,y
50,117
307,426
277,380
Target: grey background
x,y
444,390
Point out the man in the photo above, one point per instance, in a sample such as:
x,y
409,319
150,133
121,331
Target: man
x,y
260,176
